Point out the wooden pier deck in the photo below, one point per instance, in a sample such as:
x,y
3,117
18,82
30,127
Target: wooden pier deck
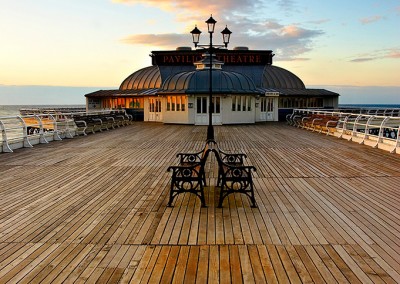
x,y
93,209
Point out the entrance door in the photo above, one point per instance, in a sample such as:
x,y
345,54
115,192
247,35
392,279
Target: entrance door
x,y
155,113
202,110
270,109
267,109
263,109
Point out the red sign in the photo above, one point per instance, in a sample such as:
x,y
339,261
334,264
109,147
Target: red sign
x,y
229,57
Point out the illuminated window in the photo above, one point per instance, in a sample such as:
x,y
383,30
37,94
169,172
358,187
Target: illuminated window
x,y
183,103
168,103
176,103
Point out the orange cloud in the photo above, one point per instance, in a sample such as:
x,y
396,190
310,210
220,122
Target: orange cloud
x,y
191,10
290,41
392,53
371,19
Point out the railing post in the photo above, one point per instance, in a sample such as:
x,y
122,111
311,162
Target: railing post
x,y
344,126
381,131
5,145
69,121
354,131
56,136
397,144
366,134
42,138
26,142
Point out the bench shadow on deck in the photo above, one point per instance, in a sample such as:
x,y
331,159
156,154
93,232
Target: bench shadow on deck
x,y
95,209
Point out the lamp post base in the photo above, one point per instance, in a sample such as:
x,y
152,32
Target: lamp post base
x,y
210,133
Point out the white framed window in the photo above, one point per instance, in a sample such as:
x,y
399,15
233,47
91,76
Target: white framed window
x,y
241,103
176,103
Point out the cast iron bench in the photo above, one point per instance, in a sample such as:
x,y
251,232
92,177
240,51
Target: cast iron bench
x,y
232,159
234,178
189,175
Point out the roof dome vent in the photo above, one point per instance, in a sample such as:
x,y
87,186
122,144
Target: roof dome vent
x,y
183,48
241,48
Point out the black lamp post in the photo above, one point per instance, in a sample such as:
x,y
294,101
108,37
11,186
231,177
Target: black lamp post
x,y
226,33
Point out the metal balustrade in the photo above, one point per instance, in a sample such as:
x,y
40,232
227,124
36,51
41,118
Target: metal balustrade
x,y
379,130
24,131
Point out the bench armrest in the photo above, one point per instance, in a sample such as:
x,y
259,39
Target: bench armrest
x,y
190,158
232,168
80,123
232,158
187,172
333,122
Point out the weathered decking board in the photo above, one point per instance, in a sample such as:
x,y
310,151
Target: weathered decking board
x,y
94,209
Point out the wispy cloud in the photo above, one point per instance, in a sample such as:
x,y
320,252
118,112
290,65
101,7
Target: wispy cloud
x,y
319,22
189,9
390,53
362,59
164,40
372,19
288,41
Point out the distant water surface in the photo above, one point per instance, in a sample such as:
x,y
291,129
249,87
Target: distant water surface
x,y
370,105
12,110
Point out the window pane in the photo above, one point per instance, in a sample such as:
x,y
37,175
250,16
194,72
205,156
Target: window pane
x,y
218,105
249,104
168,103
178,103
233,103
204,108
173,103
198,105
183,108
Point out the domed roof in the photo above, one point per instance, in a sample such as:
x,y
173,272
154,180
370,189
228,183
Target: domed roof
x,y
198,82
145,78
233,77
277,77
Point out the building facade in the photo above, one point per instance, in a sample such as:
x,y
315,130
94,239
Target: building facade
x,y
246,88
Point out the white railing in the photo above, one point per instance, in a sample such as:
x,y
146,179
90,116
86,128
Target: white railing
x,y
378,131
27,130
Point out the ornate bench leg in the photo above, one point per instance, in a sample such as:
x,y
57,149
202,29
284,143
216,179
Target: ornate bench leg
x,y
225,192
252,198
203,200
199,193
171,195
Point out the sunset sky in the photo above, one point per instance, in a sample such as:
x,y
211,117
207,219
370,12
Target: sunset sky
x,y
350,45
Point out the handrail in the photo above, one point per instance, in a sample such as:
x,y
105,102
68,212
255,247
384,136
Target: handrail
x,y
382,131
26,130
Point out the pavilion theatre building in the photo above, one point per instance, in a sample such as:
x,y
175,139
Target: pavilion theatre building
x,y
246,88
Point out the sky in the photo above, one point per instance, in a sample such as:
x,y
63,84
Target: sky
x,y
56,51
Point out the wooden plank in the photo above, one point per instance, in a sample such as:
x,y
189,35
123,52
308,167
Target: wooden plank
x,y
170,265
234,260
202,266
224,265
352,264
182,262
159,266
327,210
192,264
136,253
214,264
245,264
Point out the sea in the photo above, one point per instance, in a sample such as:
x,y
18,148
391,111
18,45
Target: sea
x,y
12,110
